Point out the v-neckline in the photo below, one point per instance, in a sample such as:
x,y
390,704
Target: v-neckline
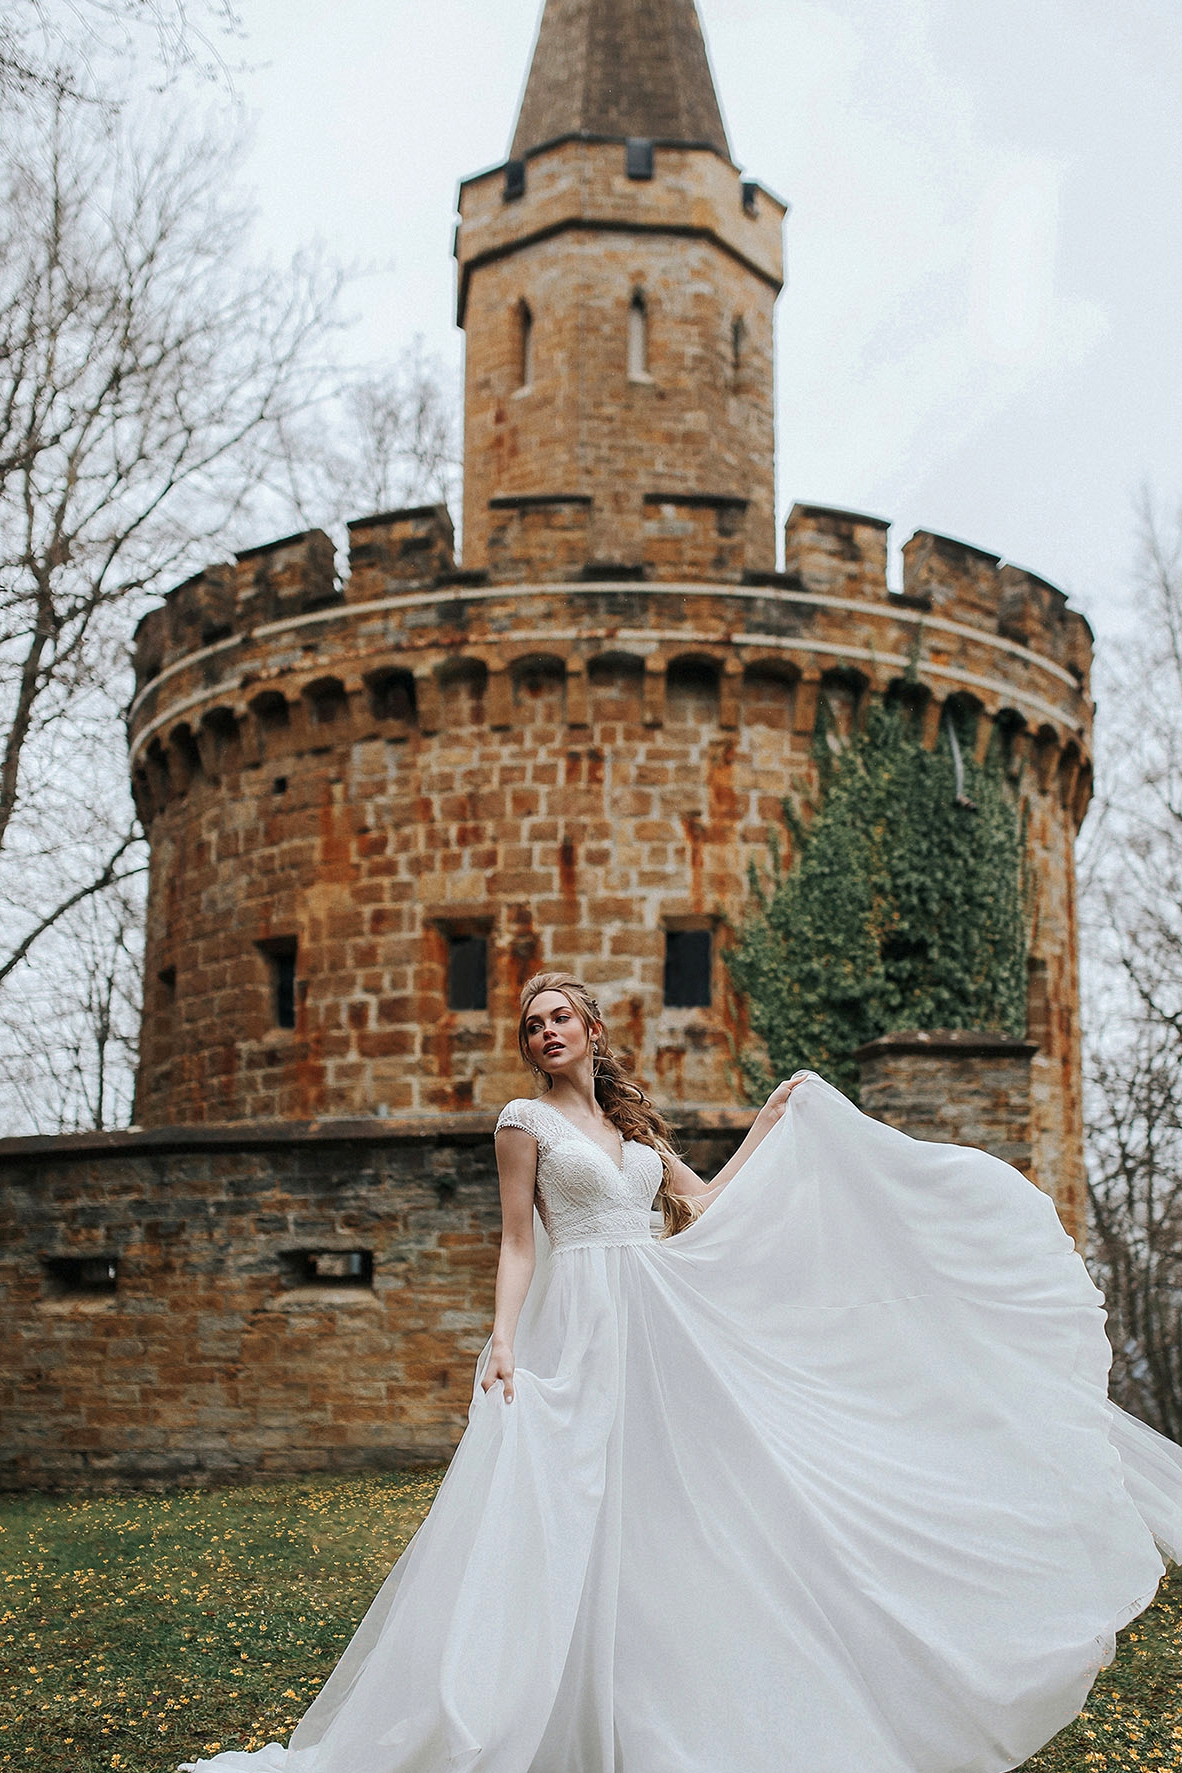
x,y
616,1162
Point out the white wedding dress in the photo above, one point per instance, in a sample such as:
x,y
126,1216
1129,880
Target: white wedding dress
x,y
828,1483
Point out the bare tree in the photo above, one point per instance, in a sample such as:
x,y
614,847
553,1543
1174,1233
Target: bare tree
x,y
161,401
67,49
149,378
1131,871
69,1025
386,438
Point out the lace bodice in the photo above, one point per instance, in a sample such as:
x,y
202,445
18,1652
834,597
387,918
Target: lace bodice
x,y
584,1196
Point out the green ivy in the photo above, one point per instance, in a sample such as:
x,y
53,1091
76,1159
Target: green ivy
x,y
904,907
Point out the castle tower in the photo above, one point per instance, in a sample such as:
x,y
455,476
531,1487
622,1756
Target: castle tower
x,y
377,805
617,281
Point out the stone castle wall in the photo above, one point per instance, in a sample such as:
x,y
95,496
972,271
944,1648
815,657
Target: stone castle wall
x,y
213,1354
217,1332
570,768
953,1086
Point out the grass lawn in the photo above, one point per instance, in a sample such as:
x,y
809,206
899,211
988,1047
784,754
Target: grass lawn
x,y
137,1631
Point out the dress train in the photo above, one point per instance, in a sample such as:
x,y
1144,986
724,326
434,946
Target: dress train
x,y
827,1482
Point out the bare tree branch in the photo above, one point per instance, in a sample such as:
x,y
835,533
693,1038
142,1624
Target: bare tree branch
x,y
1131,879
162,401
61,49
98,883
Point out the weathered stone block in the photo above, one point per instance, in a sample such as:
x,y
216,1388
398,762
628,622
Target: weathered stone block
x,y
956,1086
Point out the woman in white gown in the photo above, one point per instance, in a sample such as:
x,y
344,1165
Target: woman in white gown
x,y
826,1482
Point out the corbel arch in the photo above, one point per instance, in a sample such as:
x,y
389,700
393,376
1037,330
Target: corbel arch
x,y
219,740
693,687
615,686
184,758
538,682
768,691
327,701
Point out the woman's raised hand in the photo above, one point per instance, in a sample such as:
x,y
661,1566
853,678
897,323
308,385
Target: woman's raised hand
x,y
500,1366
776,1103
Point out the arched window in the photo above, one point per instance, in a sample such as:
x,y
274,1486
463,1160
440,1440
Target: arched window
x,y
738,347
525,345
638,338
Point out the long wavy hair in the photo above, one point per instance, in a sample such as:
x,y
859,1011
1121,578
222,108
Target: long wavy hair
x,y
622,1100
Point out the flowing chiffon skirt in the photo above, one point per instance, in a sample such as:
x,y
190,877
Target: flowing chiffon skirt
x,y
828,1483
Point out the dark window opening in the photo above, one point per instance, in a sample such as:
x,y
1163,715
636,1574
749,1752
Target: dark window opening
x,y
167,979
525,346
222,727
467,972
750,192
81,1276
638,157
327,1268
514,179
280,953
279,785
687,969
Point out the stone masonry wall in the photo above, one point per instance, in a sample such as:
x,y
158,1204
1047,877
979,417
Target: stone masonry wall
x,y
570,769
576,250
215,1358
957,1086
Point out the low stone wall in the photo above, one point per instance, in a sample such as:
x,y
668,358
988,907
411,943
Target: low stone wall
x,y
956,1085
210,1304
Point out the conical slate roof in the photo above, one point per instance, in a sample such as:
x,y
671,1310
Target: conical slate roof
x,y
620,68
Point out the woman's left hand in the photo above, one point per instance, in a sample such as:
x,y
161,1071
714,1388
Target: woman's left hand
x,y
776,1103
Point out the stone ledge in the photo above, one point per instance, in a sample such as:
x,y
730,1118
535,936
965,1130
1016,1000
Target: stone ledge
x,y
464,1128
948,1043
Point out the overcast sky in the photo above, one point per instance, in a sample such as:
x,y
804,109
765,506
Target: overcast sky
x,y
980,332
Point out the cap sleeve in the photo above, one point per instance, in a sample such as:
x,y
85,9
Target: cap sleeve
x,y
521,1115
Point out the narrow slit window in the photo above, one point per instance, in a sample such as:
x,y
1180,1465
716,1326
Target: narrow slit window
x,y
285,1005
638,338
467,972
525,346
280,955
738,346
688,957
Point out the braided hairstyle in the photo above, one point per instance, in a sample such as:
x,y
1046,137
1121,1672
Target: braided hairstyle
x,y
621,1099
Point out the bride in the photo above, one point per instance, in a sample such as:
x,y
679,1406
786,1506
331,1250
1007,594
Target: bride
x,y
824,1480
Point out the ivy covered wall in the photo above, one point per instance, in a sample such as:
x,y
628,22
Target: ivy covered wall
x,y
903,906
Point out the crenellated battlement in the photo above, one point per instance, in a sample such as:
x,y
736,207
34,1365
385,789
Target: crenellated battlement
x,y
272,659
545,541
